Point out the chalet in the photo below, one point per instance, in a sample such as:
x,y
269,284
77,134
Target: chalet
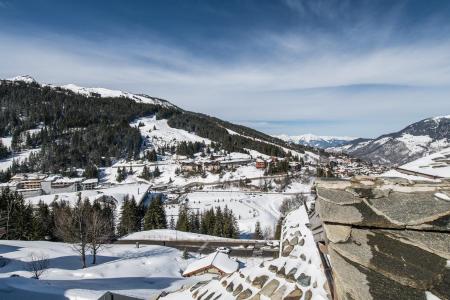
x,y
89,184
212,166
260,163
29,181
190,166
214,263
233,163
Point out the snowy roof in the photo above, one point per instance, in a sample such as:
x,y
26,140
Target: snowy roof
x,y
91,180
218,260
68,180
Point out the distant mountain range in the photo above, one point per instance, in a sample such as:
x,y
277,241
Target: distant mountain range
x,y
317,141
414,141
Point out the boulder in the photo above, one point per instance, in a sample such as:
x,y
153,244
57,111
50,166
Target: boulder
x,y
230,287
304,280
290,276
301,242
287,250
294,241
281,272
270,288
259,281
302,257
244,294
308,295
273,268
238,289
296,294
278,295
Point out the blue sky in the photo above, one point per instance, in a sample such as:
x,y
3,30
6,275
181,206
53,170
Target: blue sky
x,y
355,68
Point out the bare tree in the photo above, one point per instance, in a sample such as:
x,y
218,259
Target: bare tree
x,y
99,232
268,233
289,204
38,264
71,225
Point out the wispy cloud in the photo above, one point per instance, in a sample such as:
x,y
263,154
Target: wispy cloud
x,y
353,85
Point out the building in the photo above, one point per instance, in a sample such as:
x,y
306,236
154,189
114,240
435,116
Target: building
x,y
234,163
190,167
214,263
260,163
66,185
89,184
28,181
212,166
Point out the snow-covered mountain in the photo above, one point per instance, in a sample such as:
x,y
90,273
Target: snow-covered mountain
x,y
416,140
317,141
98,92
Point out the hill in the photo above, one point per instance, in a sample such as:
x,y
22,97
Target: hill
x,y
414,141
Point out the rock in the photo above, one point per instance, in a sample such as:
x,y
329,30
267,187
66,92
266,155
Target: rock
x,y
337,233
278,295
241,275
296,294
270,287
247,279
224,283
259,281
302,257
238,289
294,241
290,277
302,242
286,251
281,272
202,294
304,280
308,295
256,297
195,294
244,294
273,268
315,284
209,296
230,287
261,265
297,233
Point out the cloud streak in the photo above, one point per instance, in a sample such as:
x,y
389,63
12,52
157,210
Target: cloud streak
x,y
351,85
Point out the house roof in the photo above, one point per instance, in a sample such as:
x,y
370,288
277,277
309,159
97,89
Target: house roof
x,y
218,260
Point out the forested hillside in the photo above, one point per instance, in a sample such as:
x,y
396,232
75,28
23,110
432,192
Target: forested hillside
x,y
75,131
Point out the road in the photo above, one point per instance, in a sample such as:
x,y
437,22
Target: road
x,y
239,248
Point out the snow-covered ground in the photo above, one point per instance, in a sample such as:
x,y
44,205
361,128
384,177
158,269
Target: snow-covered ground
x,y
20,156
247,207
437,164
169,235
124,269
118,192
164,134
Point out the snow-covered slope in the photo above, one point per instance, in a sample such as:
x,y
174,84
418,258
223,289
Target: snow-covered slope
x,y
317,141
437,164
416,140
140,272
98,92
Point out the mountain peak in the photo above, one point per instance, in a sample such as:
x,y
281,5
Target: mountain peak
x,y
24,78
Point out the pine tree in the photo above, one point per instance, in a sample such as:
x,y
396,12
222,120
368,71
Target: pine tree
x,y
156,172
42,222
257,235
155,217
183,219
145,173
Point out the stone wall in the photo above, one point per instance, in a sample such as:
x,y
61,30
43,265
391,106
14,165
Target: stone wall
x,y
385,238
